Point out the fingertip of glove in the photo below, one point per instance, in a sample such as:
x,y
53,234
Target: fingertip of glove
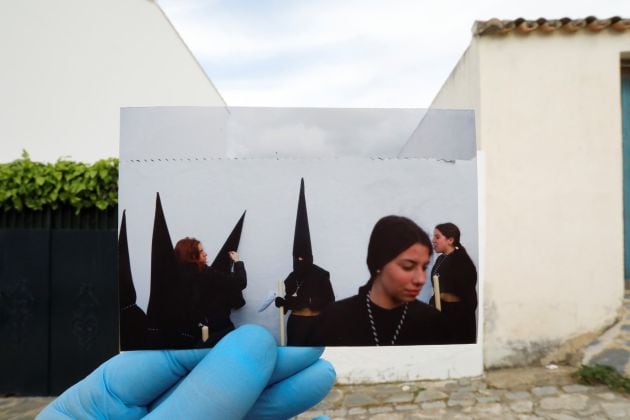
x,y
254,333
329,369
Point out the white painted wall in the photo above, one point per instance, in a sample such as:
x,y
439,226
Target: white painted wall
x,y
549,123
345,197
461,89
69,66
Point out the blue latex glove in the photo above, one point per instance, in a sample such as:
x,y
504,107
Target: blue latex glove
x,y
244,376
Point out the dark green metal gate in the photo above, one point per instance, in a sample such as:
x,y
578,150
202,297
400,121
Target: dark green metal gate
x,y
58,297
625,120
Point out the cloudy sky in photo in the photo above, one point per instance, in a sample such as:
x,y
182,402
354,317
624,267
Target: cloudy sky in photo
x,y
350,53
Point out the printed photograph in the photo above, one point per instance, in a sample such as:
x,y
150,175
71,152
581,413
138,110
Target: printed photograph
x,y
372,243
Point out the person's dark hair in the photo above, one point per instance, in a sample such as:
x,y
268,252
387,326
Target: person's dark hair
x,y
450,230
391,236
187,251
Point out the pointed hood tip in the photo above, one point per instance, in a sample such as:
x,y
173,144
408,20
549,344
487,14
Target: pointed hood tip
x,y
163,263
123,220
127,291
302,238
222,260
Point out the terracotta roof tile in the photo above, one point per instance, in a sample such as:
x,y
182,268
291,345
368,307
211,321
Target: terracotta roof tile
x,y
524,26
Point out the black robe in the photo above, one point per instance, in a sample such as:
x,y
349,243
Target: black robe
x,y
178,327
217,293
458,276
202,297
133,320
346,323
314,291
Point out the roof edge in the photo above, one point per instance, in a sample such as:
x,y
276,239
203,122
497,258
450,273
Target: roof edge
x,y
499,27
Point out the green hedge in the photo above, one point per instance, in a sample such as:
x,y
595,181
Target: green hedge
x,y
25,184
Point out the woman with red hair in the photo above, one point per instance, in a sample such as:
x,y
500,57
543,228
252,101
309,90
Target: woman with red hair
x,y
211,292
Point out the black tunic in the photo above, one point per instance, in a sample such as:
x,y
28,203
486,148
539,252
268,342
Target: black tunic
x,y
313,288
346,323
217,291
206,297
133,320
458,276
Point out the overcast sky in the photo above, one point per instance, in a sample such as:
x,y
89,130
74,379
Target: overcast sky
x,y
345,53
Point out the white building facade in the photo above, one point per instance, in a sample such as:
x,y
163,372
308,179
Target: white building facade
x,y
547,97
68,67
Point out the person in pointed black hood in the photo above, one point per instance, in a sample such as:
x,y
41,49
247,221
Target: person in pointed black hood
x,y
169,312
458,285
225,264
308,288
385,311
133,320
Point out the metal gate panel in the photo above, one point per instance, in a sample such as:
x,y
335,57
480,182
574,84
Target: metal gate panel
x,y
84,304
625,120
24,306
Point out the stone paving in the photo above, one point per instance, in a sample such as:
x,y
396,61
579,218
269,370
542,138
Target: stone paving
x,y
526,393
523,393
22,408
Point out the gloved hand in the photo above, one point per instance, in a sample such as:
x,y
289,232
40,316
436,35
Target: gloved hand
x,y
244,376
279,302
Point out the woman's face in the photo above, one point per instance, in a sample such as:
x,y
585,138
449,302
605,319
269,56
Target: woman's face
x,y
203,257
401,280
441,243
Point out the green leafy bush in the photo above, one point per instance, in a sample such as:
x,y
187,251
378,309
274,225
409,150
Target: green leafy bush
x,y
25,184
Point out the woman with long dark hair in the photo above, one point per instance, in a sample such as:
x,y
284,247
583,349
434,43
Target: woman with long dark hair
x,y
386,311
457,277
210,292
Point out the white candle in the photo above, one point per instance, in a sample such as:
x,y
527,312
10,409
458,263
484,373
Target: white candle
x,y
204,333
281,294
436,292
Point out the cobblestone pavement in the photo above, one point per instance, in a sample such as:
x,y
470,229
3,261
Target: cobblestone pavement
x,y
523,393
14,408
526,393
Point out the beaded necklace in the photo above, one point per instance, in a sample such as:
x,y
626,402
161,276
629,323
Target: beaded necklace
x,y
373,326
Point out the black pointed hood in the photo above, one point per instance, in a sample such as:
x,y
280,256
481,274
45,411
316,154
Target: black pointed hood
x,y
163,266
133,320
222,261
125,280
302,238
